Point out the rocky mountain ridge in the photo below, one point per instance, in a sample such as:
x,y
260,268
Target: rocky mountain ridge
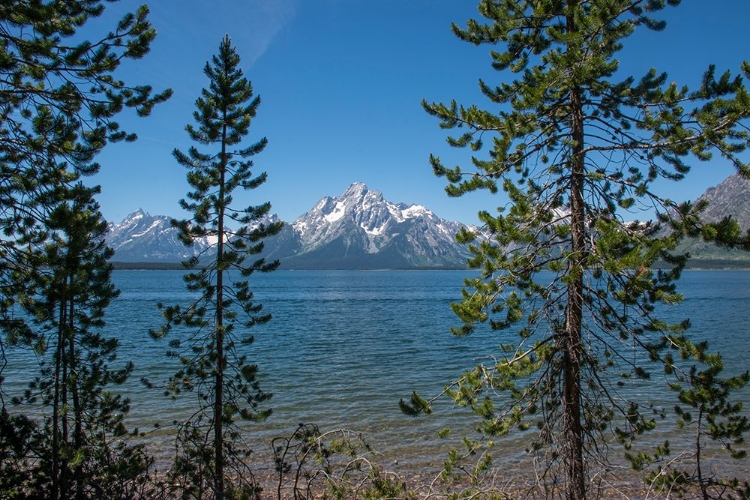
x,y
141,237
356,230
730,198
360,227
361,230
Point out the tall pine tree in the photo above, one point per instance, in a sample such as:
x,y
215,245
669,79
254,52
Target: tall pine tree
x,y
80,449
577,149
212,356
59,97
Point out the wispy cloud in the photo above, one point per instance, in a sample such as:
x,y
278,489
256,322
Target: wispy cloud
x,y
252,24
266,19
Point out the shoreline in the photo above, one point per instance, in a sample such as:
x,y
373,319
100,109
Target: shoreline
x,y
420,474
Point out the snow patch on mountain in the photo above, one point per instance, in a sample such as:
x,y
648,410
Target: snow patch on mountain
x,y
338,212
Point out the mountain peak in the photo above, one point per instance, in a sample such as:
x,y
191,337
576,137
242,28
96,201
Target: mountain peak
x,y
138,214
358,191
361,224
356,187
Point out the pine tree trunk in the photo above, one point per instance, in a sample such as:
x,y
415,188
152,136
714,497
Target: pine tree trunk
x,y
572,342
64,439
698,449
219,387
219,403
56,425
219,390
78,441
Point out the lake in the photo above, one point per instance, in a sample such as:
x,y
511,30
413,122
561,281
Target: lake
x,y
344,346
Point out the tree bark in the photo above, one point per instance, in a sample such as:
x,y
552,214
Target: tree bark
x,y
572,340
219,381
78,438
56,404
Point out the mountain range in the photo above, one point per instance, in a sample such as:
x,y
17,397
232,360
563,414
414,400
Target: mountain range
x,y
357,230
361,230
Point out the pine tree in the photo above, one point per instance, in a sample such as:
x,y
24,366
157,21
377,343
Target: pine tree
x,y
80,448
577,150
58,100
213,364
716,424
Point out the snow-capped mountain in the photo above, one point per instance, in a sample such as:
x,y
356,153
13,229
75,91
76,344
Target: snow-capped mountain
x,y
141,237
357,230
362,229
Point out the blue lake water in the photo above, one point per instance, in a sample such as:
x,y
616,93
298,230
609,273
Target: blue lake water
x,y
344,346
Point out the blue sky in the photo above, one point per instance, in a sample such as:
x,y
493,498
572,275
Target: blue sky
x,y
341,83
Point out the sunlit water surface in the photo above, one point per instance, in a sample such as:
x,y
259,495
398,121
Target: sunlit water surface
x,y
344,346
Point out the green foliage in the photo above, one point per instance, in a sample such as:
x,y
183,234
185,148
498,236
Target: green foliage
x,y
717,423
336,465
209,348
16,457
58,99
58,102
576,148
417,405
79,449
